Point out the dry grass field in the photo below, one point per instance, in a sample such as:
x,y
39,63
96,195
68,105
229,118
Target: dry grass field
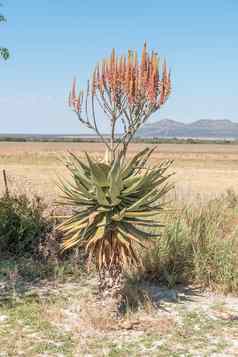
x,y
201,169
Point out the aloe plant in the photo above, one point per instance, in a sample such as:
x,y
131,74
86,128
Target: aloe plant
x,y
115,201
113,207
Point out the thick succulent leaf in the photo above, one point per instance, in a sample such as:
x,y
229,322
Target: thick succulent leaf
x,y
84,168
98,173
141,201
162,192
115,181
136,186
144,159
75,239
78,197
130,237
124,240
131,165
72,222
145,183
80,238
105,167
101,196
86,191
118,216
77,200
91,220
115,168
72,190
126,249
104,209
83,178
144,213
99,234
142,222
115,189
131,180
136,232
84,214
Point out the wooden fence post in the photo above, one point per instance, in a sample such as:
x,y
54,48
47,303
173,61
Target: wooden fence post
x,y
5,183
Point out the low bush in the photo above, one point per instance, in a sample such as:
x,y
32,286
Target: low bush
x,y
23,226
199,245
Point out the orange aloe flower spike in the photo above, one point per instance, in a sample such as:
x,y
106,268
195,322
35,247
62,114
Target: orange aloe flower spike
x,y
73,93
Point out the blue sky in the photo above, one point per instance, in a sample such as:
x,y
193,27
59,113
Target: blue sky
x,y
53,40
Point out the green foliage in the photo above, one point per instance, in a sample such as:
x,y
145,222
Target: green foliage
x,y
199,245
114,204
22,225
2,18
4,52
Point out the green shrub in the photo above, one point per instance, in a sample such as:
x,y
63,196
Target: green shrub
x,y
22,225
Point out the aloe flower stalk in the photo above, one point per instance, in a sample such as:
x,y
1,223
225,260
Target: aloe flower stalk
x,y
127,90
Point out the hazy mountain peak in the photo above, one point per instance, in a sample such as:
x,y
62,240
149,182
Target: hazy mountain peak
x,y
203,128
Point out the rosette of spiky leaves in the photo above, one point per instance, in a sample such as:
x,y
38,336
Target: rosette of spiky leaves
x,y
113,206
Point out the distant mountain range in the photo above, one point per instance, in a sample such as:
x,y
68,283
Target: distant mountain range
x,y
204,128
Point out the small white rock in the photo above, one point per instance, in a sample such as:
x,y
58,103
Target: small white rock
x,y
3,318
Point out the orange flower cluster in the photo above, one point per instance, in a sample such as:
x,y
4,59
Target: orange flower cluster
x,y
75,100
121,76
125,77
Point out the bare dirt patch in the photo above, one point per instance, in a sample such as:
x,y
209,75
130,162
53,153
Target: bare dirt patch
x,y
69,320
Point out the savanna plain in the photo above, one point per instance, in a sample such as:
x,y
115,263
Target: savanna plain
x,y
200,169
182,302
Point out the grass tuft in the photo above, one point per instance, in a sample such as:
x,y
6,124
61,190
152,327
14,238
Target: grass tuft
x,y
199,245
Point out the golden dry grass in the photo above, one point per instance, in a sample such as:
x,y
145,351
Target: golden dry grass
x,y
201,169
